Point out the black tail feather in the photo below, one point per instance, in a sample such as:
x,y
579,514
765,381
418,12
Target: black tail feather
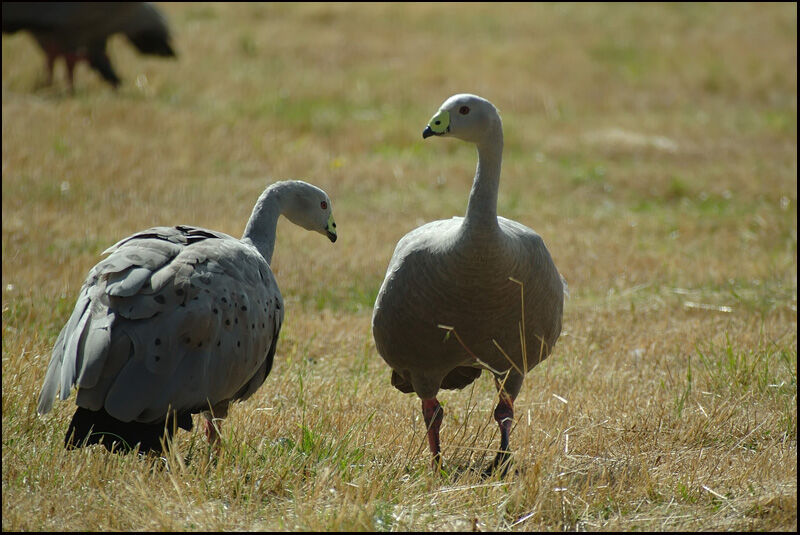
x,y
98,427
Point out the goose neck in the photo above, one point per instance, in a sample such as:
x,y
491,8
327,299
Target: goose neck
x,y
260,229
482,208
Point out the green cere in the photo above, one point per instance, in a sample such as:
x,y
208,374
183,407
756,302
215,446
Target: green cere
x,y
331,224
440,123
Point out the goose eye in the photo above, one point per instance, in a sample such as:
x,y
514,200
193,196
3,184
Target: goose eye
x,y
323,205
463,110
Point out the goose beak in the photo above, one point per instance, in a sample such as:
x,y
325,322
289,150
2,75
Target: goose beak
x,y
438,125
330,229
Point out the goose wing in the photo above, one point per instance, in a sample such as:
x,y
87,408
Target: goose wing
x,y
178,318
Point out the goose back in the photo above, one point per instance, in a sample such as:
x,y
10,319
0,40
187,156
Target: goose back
x,y
179,318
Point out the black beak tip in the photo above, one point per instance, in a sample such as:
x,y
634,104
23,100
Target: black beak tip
x,y
332,237
427,132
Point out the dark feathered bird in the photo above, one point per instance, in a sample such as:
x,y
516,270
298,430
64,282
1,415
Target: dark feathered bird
x,y
79,31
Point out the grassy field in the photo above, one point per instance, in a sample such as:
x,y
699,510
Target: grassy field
x,y
654,147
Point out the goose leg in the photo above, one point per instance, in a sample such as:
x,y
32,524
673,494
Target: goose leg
x,y
504,416
433,413
212,432
72,60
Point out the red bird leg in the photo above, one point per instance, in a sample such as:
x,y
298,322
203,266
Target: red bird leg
x,y
433,413
504,416
71,59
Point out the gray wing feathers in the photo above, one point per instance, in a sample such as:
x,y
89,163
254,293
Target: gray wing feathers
x,y
119,352
169,319
96,341
95,349
261,375
53,376
128,282
57,374
161,277
71,360
133,390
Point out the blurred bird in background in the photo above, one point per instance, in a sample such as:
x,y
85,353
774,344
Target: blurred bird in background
x,y
79,30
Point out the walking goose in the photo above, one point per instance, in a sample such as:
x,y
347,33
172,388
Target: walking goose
x,y
176,321
79,30
457,291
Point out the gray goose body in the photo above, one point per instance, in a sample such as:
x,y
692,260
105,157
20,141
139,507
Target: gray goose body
x,y
457,273
175,321
79,31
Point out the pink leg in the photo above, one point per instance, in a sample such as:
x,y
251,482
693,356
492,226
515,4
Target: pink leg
x,y
433,413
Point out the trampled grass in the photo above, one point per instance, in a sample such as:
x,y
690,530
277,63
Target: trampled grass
x,y
654,147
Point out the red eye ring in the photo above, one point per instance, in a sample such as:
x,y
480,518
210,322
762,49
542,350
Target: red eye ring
x,y
463,110
323,205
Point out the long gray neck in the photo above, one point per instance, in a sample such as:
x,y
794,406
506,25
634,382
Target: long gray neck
x,y
482,208
260,229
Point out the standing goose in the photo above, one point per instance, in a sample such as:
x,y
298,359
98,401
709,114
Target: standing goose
x,y
176,321
456,291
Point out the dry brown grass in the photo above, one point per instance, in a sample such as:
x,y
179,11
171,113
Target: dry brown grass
x,y
654,147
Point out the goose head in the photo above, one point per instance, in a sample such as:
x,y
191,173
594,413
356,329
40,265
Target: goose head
x,y
466,117
309,207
